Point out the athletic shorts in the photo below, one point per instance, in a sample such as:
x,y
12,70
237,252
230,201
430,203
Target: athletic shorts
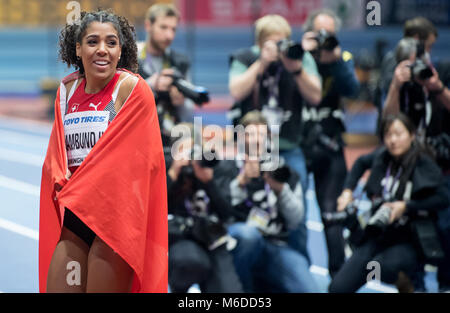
x,y
75,225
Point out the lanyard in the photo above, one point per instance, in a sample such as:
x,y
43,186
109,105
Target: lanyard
x,y
387,190
273,89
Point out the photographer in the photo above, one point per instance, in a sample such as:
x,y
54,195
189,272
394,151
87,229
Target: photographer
x,y
418,28
158,63
198,241
407,190
324,124
418,91
268,207
277,78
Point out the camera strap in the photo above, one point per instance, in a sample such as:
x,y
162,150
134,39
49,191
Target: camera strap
x,y
390,183
425,120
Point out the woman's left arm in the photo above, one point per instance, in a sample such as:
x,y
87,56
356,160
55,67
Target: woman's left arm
x,y
437,200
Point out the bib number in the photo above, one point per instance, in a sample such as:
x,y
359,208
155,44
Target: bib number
x,y
82,131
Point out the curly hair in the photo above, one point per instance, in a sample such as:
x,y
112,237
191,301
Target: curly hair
x,y
73,33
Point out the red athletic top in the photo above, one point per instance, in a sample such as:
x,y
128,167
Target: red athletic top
x,y
80,101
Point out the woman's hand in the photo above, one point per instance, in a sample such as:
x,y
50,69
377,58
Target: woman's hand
x,y
398,208
58,187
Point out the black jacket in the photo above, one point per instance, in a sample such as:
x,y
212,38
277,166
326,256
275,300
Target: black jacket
x,y
428,192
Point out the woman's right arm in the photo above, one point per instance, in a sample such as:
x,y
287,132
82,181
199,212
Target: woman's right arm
x,y
362,164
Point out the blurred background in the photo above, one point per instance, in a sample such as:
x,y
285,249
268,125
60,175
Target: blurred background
x,y
209,31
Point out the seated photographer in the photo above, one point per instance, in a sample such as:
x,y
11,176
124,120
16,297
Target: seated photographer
x,y
324,124
268,206
276,77
158,63
198,240
407,190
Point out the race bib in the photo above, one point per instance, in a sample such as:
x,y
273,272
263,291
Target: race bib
x,y
82,131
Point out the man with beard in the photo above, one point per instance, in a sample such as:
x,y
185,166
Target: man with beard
x,y
158,62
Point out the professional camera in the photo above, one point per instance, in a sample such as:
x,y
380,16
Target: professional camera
x,y
347,218
281,173
206,230
420,70
187,172
198,94
326,41
292,50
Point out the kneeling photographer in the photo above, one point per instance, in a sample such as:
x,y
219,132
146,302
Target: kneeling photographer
x,y
267,201
198,241
407,190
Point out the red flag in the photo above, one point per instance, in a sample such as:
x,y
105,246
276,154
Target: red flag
x,y
119,191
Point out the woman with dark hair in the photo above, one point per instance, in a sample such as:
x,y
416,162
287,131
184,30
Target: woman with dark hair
x,y
406,183
103,216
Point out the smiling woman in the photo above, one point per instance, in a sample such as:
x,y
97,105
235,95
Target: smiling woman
x,y
102,168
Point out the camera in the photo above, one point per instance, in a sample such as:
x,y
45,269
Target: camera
x,y
187,172
198,94
347,218
292,50
326,41
420,70
206,230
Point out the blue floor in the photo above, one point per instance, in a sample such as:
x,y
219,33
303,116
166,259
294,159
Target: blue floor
x,y
22,149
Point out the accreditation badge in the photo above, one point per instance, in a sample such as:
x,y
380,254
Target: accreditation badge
x,y
82,130
258,218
